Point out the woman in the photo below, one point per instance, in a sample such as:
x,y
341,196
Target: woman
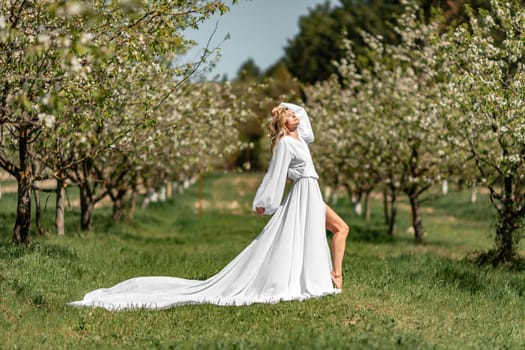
x,y
290,132
289,260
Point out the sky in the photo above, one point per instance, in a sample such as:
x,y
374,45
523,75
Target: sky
x,y
258,29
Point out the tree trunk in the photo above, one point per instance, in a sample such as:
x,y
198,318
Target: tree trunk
x,y
59,211
417,223
444,187
117,208
358,208
38,212
386,210
356,203
335,198
23,209
509,220
201,182
413,192
368,208
132,206
25,181
504,239
36,194
350,194
87,206
169,189
328,194
473,195
393,212
117,199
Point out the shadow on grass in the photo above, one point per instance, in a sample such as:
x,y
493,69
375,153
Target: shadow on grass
x,y
469,276
370,233
462,275
376,232
493,258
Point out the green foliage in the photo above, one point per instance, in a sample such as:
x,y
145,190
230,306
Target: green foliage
x,y
311,53
274,86
397,294
249,71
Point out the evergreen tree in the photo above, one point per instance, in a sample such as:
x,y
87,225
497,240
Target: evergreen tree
x,y
248,71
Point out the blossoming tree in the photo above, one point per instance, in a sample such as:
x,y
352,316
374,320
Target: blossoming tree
x,y
388,115
483,61
74,64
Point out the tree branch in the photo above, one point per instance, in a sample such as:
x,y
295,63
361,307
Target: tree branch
x,y
9,166
203,58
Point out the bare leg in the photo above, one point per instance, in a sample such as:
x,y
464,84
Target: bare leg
x,y
340,230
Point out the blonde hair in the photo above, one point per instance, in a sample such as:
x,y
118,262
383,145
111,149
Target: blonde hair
x,y
277,125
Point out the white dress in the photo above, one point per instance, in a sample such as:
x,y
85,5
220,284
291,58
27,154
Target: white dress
x,y
289,260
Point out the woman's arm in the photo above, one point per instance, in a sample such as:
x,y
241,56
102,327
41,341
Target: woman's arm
x,y
270,192
304,128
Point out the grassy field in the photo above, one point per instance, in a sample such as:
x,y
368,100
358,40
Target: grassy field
x,y
398,294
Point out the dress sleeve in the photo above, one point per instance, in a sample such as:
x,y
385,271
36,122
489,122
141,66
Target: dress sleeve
x,y
270,192
304,128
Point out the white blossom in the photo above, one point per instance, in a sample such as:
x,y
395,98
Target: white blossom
x,y
86,38
47,119
75,64
44,39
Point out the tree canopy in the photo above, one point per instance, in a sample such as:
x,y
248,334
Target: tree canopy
x,y
310,55
77,78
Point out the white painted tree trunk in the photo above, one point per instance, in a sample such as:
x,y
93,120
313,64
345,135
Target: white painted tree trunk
x,y
335,198
169,189
444,187
327,192
153,196
162,193
358,208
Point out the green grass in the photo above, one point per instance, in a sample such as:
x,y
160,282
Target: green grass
x,y
398,294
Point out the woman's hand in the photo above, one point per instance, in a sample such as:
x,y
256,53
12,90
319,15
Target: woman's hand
x,y
259,210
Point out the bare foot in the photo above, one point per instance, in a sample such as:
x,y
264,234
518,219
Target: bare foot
x,y
337,280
